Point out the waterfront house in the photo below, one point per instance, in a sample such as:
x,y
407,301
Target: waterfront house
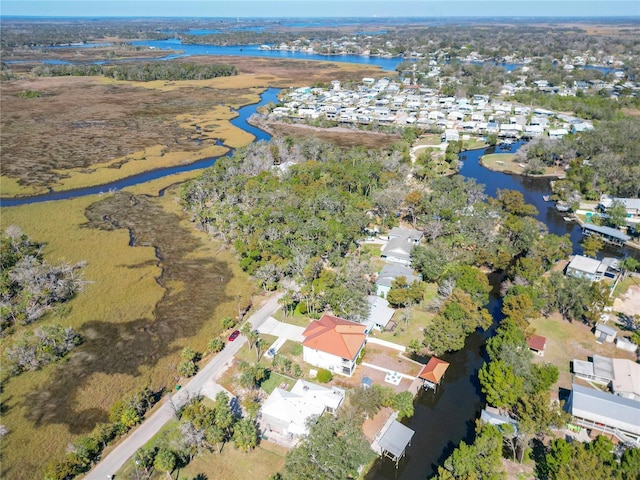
x,y
334,344
586,267
605,412
632,205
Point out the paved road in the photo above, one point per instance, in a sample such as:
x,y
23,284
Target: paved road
x,y
141,435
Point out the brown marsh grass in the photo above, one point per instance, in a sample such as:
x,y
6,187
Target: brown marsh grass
x,y
143,304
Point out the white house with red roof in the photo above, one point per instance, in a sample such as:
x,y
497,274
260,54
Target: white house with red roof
x,y
334,344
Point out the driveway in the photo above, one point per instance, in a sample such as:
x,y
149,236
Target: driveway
x,y
202,383
271,326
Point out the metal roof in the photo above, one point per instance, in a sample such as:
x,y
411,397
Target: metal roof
x,y
612,232
582,367
396,439
606,408
606,329
603,367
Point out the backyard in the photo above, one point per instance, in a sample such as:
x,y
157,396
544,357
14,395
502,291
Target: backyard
x,y
568,340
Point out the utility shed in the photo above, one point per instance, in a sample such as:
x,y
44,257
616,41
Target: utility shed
x,y
395,441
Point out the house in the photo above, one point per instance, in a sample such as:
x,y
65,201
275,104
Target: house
x,y
586,267
380,313
389,273
400,245
492,416
608,234
605,333
288,412
333,343
632,205
558,133
626,378
599,369
537,344
451,135
605,412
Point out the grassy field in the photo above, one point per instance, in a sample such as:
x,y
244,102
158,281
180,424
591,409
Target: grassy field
x,y
429,139
507,163
230,464
136,313
413,329
566,341
85,131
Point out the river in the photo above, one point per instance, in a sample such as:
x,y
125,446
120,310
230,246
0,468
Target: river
x,y
443,418
270,95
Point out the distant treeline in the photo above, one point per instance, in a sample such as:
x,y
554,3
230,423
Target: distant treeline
x,y
145,72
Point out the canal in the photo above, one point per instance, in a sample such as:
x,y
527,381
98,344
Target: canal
x,y
443,418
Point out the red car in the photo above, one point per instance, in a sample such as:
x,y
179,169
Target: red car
x,y
234,335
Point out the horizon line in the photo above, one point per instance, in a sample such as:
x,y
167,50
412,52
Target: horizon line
x,y
367,17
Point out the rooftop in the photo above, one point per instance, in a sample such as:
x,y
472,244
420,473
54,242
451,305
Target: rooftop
x,y
396,439
586,264
613,410
536,342
336,336
434,370
611,232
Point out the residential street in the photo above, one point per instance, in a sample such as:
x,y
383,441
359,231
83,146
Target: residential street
x,y
144,432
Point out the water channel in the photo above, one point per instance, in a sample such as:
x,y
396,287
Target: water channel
x,y
443,418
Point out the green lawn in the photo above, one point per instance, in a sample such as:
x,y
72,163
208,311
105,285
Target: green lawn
x,y
431,139
295,319
275,380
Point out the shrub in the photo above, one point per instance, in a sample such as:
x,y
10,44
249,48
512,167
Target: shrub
x,y
189,354
216,345
227,323
187,369
324,376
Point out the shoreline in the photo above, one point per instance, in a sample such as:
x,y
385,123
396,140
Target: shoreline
x,y
522,174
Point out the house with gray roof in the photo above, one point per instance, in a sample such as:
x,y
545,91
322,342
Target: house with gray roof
x,y
605,412
400,245
389,273
605,333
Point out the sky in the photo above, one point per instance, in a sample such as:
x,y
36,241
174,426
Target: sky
x,y
323,8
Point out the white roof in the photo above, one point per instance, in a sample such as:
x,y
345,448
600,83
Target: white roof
x,y
304,401
291,409
329,397
379,311
626,377
585,264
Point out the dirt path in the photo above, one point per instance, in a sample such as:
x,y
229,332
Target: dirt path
x,y
629,303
